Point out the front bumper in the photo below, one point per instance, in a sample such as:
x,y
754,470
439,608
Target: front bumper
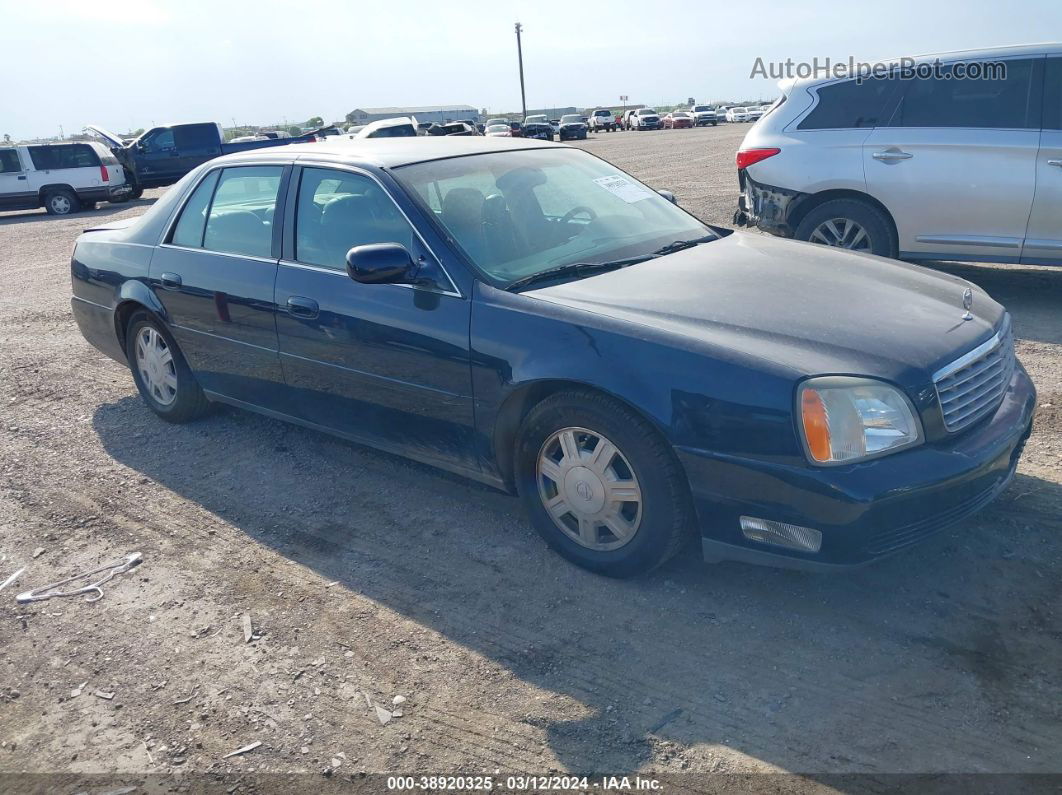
x,y
574,132
864,511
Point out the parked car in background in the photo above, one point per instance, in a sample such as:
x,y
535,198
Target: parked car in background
x,y
923,169
555,124
677,119
737,114
62,178
572,127
242,139
538,127
498,129
703,115
517,129
452,128
644,119
163,155
398,127
806,407
754,113
601,120
720,113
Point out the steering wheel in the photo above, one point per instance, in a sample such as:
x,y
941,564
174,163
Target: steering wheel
x,y
568,216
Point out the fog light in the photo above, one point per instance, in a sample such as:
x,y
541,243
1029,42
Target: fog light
x,y
781,534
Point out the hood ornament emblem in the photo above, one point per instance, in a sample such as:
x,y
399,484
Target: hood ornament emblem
x,y
967,303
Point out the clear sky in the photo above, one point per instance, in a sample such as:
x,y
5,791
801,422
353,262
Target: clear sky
x,y
130,64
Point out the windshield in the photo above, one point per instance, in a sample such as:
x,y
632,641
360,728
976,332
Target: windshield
x,y
497,128
571,118
535,120
647,112
519,213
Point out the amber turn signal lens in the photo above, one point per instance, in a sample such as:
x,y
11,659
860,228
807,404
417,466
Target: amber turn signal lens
x,y
816,425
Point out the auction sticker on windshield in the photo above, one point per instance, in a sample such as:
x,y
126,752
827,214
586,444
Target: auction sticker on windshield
x,y
624,189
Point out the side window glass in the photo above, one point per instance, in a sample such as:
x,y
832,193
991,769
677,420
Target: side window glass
x,y
337,211
9,163
1053,95
161,141
190,226
240,219
79,156
1002,97
849,105
43,157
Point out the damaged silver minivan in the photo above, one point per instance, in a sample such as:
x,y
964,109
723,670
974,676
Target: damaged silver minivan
x,y
958,157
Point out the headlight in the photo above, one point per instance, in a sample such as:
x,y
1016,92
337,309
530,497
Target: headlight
x,y
846,419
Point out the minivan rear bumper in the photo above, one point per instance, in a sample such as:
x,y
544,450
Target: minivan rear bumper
x,y
765,207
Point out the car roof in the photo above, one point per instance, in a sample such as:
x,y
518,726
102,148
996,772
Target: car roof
x,y
389,152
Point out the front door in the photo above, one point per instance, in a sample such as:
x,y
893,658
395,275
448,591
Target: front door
x,y
956,165
383,363
15,189
214,276
1043,241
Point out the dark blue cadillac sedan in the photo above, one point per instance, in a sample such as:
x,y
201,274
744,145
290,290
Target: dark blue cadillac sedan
x,y
528,315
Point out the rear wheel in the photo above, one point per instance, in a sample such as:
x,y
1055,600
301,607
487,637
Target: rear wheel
x,y
160,372
600,485
850,224
61,202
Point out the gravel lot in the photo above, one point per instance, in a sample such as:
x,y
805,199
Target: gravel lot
x,y
368,577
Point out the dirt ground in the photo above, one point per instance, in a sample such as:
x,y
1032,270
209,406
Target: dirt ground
x,y
367,577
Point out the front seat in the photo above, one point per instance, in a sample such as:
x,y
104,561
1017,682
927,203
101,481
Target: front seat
x,y
462,214
346,222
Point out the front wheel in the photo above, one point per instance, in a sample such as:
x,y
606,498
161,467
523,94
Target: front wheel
x,y
601,486
61,202
848,223
161,374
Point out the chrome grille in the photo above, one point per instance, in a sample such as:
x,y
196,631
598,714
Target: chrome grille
x,y
973,385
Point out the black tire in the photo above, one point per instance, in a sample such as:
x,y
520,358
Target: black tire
x,y
61,202
189,403
667,517
137,192
873,220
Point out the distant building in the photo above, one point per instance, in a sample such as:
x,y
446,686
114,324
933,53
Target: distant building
x,y
552,113
424,113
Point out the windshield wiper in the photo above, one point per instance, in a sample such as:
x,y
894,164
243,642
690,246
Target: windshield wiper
x,y
573,269
679,245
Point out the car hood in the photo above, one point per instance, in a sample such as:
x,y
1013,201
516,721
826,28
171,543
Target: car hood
x,y
809,309
112,139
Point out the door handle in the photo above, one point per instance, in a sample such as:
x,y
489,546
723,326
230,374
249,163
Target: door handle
x,y
303,307
1049,162
892,154
170,281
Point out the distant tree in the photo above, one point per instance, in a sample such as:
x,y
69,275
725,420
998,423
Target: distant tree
x,y
315,121
294,130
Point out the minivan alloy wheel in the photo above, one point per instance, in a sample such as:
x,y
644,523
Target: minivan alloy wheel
x,y
841,233
60,204
589,489
154,361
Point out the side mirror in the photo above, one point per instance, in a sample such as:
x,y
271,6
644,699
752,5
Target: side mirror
x,y
668,195
380,263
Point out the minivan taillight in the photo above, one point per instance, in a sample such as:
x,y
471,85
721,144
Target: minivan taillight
x,y
746,157
104,175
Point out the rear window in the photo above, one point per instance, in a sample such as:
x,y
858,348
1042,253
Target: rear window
x,y
57,156
847,105
9,162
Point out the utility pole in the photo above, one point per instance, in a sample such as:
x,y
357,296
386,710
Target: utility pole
x,y
520,57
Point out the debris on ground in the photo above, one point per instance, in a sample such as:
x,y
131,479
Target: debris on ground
x,y
248,628
383,715
11,579
38,552
104,695
243,750
48,591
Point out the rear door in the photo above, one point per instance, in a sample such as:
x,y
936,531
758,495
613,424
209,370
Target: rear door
x,y
15,191
196,144
1043,242
214,275
76,165
956,164
384,363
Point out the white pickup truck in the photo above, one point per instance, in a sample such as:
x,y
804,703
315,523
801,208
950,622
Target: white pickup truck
x,y
602,119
